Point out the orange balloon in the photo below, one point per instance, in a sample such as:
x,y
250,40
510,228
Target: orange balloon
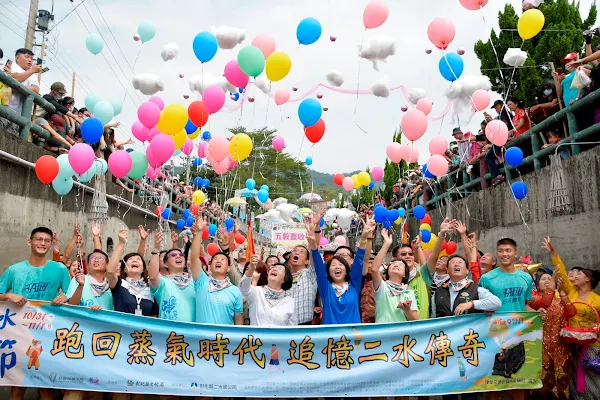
x,y
426,219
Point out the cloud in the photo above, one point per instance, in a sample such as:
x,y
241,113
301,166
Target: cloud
x,y
462,90
416,94
335,77
228,36
262,83
377,48
381,88
199,83
169,51
148,84
515,57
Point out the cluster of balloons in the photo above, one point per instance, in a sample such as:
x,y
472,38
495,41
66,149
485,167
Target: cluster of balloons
x,y
103,110
359,180
201,182
388,217
262,195
397,152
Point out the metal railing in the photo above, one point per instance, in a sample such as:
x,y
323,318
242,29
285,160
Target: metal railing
x,y
431,197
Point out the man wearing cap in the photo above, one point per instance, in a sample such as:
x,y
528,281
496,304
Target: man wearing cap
x,y
57,93
464,147
502,112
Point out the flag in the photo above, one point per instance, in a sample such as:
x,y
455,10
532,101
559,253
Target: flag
x,y
250,250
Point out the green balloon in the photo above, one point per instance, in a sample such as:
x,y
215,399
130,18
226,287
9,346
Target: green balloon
x,y
251,61
91,100
62,186
94,43
139,165
117,106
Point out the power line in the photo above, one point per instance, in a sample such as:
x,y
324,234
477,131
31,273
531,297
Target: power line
x,y
113,36
19,8
12,30
19,18
69,13
8,19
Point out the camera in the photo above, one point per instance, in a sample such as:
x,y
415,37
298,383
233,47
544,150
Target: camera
x,y
591,32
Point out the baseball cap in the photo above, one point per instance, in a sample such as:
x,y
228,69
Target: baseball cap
x,y
568,57
58,87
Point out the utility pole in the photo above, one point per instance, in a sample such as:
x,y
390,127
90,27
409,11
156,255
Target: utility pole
x,y
73,86
31,23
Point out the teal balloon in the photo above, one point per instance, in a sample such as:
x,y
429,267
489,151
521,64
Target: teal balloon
x,y
88,175
94,43
91,100
117,106
139,165
104,111
251,61
176,153
146,30
62,186
101,166
65,171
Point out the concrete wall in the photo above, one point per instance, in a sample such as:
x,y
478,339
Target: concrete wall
x,y
27,203
494,213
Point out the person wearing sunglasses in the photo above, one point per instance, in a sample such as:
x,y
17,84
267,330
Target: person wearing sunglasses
x,y
174,293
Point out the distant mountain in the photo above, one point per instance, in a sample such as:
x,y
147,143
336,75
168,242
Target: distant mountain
x,y
321,178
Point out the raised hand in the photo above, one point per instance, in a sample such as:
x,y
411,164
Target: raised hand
x,y
404,305
310,233
447,225
55,242
174,237
460,228
143,233
254,260
158,238
369,226
547,244
387,237
96,230
123,233
416,241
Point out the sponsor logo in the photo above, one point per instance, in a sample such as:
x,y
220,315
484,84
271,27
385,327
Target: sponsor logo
x,y
52,378
130,382
194,385
94,381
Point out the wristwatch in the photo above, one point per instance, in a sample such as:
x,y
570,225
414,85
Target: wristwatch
x,y
155,253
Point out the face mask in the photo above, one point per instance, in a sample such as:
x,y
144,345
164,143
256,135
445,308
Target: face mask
x,y
547,92
59,96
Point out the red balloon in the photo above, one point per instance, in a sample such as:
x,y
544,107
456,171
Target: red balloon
x,y
159,211
444,244
46,168
198,113
315,133
205,233
195,209
426,219
451,248
338,178
239,238
212,249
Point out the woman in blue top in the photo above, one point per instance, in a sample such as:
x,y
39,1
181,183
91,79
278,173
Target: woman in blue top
x,y
339,284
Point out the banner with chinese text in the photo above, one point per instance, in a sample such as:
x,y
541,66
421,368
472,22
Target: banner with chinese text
x,y
286,236
74,348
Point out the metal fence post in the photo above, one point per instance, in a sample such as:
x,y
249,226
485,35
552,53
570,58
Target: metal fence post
x,y
536,146
573,130
26,110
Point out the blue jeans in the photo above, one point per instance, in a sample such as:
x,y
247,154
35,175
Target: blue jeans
x,y
490,159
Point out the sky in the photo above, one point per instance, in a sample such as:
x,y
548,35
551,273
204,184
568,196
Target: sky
x,y
344,147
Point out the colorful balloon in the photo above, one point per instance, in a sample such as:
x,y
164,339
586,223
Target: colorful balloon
x,y
308,161
340,240
278,143
198,114
201,149
81,157
309,112
146,31
94,43
308,31
92,130
149,114
62,186
437,165
139,165
265,43
119,163
158,101
91,100
173,119
414,124
441,32
348,183
218,147
393,151
198,197
104,111
213,98
473,4
364,178
188,146
46,168
480,100
424,105
375,14
282,96
497,132
140,132
377,173
338,179
277,66
519,190
205,46
315,133
530,23
438,145
451,66
240,147
162,147
514,156
251,61
409,153
235,75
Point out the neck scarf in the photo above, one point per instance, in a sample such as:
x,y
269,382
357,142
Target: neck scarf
x,y
216,285
440,280
460,285
340,289
182,281
412,274
98,288
273,296
297,275
137,288
396,289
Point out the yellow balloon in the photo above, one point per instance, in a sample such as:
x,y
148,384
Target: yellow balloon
x,y
179,139
398,221
364,178
429,245
427,227
173,119
240,147
278,66
356,181
531,23
198,197
194,135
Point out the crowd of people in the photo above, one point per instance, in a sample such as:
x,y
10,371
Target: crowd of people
x,y
306,287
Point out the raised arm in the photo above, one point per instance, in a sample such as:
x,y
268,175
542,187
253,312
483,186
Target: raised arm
x,y
445,227
560,269
115,259
175,240
71,245
75,299
154,267
461,228
97,235
380,258
196,264
474,264
356,272
143,239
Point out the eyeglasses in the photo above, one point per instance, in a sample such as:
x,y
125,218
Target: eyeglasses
x,y
411,254
176,254
41,239
344,255
97,258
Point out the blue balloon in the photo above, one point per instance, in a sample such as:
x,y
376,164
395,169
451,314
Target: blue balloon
x,y
393,215
514,156
379,213
308,160
419,212
180,224
387,224
378,205
426,172
236,96
262,195
186,214
519,189
451,66
322,222
229,223
308,31
146,30
205,183
401,212
371,185
206,135
425,236
190,127
167,213
197,162
198,181
309,112
190,221
250,184
265,187
241,90
92,130
205,46
212,229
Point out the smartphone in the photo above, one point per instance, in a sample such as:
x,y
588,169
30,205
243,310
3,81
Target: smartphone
x,y
560,71
8,63
39,61
45,69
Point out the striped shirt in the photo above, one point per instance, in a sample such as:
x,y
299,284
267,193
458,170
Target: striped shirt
x,y
304,292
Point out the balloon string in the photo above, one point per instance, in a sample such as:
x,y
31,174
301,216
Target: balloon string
x,y
299,175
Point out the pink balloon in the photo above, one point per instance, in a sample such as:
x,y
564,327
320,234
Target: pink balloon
x,y
139,131
119,163
152,132
409,152
437,165
152,161
187,147
265,43
480,100
473,4
497,132
213,98
151,172
323,241
348,183
441,32
281,96
393,153
377,173
414,124
162,147
221,167
438,145
149,114
81,157
158,101
340,240
278,143
424,105
201,149
218,148
235,75
375,14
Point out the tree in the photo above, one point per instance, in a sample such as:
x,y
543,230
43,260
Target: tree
x,y
562,34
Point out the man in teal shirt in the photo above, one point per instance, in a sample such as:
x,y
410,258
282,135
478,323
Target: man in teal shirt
x,y
93,291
